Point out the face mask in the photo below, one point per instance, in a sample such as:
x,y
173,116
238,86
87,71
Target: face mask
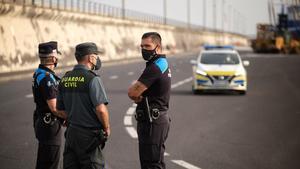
x,y
148,54
98,64
55,63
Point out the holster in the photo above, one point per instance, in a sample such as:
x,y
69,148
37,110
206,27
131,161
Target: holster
x,y
141,115
99,139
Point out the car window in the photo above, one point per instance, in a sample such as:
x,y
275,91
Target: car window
x,y
219,58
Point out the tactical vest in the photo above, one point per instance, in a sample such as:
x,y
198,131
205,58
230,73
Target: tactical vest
x,y
74,87
77,81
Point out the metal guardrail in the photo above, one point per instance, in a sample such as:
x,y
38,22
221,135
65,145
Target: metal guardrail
x,y
96,8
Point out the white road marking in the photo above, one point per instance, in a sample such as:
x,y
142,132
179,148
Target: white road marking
x,y
113,77
29,96
185,164
130,73
132,132
166,154
181,82
128,120
130,111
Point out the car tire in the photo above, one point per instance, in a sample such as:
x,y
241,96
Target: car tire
x,y
197,91
243,92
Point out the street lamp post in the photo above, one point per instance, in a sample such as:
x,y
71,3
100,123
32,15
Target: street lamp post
x,y
165,11
123,9
204,13
223,15
215,14
189,13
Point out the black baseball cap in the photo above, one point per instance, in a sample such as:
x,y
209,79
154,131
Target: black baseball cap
x,y
48,48
86,48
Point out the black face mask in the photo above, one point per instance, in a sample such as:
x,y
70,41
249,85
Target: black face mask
x,y
149,54
55,63
98,64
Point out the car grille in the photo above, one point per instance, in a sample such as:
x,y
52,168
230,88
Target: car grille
x,y
221,77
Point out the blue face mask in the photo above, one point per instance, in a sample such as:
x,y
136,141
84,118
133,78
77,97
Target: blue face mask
x,y
149,54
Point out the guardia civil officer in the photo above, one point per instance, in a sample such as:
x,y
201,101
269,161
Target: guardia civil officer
x,y
151,92
47,126
82,101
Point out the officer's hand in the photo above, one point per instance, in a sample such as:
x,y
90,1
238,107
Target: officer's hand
x,y
107,132
65,123
138,99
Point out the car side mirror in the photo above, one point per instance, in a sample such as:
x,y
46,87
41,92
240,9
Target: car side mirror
x,y
246,63
193,62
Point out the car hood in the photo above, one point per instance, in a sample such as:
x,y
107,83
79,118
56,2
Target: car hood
x,y
219,69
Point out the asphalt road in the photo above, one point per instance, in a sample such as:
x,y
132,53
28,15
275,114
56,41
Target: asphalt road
x,y
260,130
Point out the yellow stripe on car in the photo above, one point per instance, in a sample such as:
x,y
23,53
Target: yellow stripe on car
x,y
200,77
220,73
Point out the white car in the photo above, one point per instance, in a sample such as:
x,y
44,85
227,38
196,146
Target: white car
x,y
219,68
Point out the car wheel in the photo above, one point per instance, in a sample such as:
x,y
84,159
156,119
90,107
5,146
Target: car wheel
x,y
197,91
243,92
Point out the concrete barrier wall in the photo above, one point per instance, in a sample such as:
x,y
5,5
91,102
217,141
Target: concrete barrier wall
x,y
22,28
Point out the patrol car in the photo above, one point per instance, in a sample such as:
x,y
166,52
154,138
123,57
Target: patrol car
x,y
219,68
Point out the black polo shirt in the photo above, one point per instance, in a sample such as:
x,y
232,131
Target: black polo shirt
x,y
157,78
47,83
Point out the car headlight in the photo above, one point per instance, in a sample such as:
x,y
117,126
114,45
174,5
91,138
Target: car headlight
x,y
239,74
200,72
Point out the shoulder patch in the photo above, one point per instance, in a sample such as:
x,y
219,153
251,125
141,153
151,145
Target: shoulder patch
x,y
40,77
162,64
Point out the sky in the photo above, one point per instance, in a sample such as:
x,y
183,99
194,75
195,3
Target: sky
x,y
239,16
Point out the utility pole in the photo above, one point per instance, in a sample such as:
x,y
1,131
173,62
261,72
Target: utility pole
x,y
223,15
223,21
123,9
229,17
215,14
204,14
189,13
165,11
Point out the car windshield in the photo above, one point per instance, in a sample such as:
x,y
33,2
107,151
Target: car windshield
x,y
219,58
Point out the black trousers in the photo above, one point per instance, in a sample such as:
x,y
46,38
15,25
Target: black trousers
x,y
152,138
49,137
75,152
48,156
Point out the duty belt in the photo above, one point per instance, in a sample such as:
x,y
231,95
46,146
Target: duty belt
x,y
141,115
49,118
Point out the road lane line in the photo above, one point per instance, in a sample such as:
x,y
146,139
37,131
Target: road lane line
x,y
128,120
166,154
130,111
29,96
130,73
181,82
132,132
113,77
185,164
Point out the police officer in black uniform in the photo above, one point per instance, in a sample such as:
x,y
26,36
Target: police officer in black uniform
x,y
151,92
47,126
82,101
